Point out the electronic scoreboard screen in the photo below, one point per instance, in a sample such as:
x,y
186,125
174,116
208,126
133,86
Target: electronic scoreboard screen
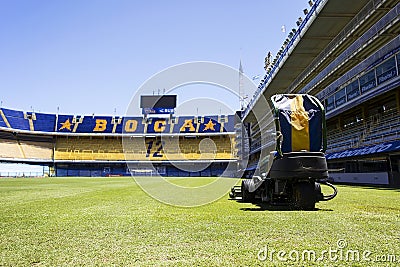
x,y
159,101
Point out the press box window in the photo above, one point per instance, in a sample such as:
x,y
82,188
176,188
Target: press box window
x,y
330,103
367,81
353,90
340,97
386,70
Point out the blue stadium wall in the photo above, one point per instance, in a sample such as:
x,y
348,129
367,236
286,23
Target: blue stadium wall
x,y
121,169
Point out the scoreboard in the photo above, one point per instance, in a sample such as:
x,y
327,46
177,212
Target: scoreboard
x,y
158,102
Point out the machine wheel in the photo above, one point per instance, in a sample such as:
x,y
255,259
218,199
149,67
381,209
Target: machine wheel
x,y
246,195
304,195
318,193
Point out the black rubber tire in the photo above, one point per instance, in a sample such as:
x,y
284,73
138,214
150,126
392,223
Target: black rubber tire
x,y
304,195
246,195
318,192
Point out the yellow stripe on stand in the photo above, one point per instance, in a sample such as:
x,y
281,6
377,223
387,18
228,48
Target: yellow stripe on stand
x,y
5,119
300,127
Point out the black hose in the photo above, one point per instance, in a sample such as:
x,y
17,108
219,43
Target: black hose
x,y
331,196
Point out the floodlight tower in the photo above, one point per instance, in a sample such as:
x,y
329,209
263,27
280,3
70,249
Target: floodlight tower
x,y
241,92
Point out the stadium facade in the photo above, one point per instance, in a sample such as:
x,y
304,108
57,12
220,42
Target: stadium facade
x,y
346,53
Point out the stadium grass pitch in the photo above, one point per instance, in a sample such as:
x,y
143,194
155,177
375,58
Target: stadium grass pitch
x,y
112,222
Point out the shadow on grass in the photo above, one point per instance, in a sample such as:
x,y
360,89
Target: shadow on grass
x,y
382,188
369,186
268,207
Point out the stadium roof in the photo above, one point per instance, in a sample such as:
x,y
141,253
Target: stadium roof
x,y
333,27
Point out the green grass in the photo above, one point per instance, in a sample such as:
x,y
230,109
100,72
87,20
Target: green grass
x,y
110,221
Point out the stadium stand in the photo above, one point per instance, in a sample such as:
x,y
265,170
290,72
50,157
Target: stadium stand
x,y
36,150
25,148
143,149
351,62
43,122
16,119
101,145
10,149
373,130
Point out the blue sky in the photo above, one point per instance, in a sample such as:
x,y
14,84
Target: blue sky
x,y
91,56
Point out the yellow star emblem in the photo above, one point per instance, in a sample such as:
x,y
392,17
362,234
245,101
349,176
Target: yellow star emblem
x,y
66,125
209,126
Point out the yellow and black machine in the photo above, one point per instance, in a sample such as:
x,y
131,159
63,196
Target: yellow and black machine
x,y
297,167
